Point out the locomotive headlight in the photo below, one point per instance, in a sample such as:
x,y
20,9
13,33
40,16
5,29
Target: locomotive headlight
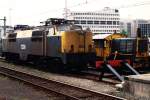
x,y
90,48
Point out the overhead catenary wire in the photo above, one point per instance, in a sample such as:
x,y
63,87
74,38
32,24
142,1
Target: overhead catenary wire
x,y
130,6
69,7
86,2
134,5
63,8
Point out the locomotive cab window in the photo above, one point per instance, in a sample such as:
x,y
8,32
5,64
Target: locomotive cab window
x,y
12,37
51,31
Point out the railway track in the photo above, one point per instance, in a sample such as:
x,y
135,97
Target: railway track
x,y
83,74
68,91
94,76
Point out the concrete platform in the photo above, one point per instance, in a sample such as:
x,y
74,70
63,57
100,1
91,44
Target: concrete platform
x,y
138,86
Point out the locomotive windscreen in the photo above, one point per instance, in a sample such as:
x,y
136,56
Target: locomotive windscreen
x,y
143,45
124,46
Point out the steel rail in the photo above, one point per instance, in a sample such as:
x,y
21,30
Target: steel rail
x,y
80,93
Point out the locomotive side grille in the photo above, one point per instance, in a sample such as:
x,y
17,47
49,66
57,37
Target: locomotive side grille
x,y
37,36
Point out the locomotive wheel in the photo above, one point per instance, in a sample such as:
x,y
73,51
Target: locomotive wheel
x,y
55,65
79,67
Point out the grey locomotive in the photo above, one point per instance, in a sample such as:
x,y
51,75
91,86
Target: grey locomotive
x,y
58,40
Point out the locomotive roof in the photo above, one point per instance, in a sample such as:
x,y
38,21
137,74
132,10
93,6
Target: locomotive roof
x,y
108,36
57,21
24,33
125,38
29,33
100,36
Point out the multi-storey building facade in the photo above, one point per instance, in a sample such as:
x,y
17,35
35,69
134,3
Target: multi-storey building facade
x,y
145,29
126,27
105,21
130,26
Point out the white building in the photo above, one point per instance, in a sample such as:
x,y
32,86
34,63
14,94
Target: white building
x,y
105,21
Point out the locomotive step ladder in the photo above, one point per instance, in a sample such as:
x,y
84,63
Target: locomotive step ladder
x,y
112,70
130,68
107,67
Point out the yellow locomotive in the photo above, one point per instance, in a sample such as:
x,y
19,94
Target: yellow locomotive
x,y
116,48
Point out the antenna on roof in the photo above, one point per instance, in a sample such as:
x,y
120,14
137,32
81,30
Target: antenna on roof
x,y
57,21
86,2
66,9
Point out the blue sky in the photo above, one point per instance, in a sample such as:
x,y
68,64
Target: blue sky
x,y
33,11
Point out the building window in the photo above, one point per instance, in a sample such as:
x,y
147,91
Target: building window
x,y
117,22
77,22
83,22
103,22
114,22
109,22
89,22
116,10
96,22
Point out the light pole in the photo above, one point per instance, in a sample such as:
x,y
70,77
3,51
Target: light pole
x,y
4,27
